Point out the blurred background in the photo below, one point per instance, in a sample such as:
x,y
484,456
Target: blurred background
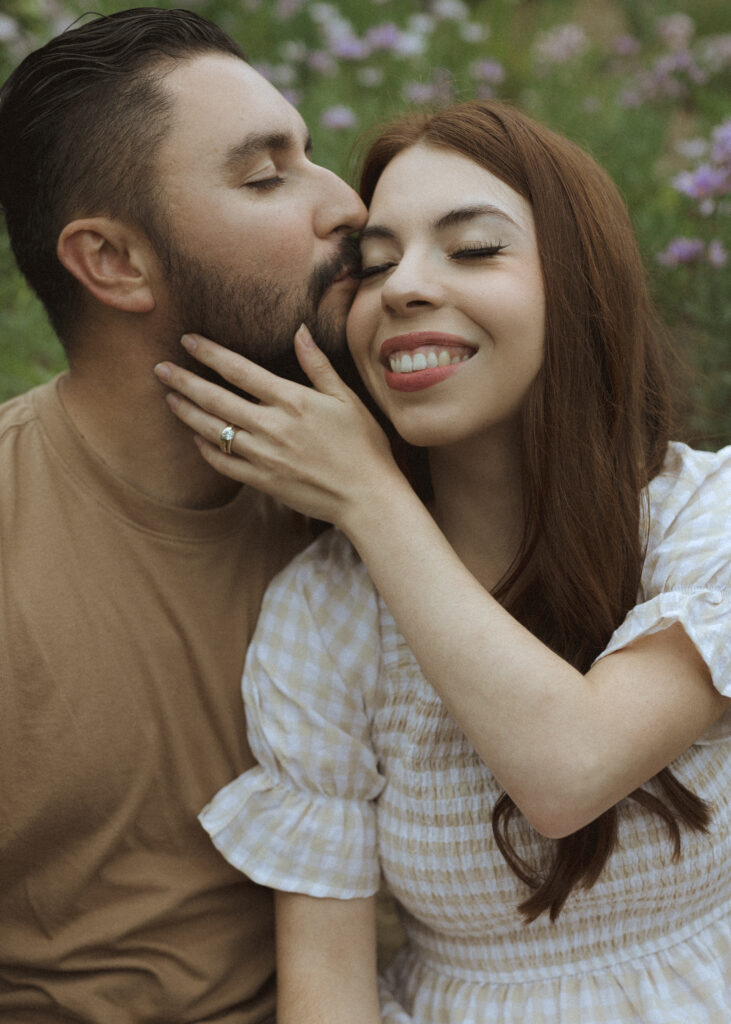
x,y
642,84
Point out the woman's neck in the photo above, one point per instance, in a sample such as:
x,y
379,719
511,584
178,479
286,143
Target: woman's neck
x,y
478,504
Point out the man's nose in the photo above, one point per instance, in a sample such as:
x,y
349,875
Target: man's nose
x,y
340,208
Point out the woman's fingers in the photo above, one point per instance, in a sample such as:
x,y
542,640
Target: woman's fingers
x,y
204,424
237,369
210,398
316,365
255,380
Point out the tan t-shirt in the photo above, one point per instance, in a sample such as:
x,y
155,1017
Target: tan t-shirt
x,y
124,625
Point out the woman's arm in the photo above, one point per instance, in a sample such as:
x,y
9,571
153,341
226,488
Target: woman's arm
x,y
565,746
326,960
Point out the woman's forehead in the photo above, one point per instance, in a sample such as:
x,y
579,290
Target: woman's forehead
x,y
429,182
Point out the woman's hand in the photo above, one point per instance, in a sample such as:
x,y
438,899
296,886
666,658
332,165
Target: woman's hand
x,y
317,449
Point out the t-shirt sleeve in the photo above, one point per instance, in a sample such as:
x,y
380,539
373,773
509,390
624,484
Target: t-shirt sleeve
x,y
303,820
686,576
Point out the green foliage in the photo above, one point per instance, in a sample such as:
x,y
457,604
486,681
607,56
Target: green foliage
x,y
632,103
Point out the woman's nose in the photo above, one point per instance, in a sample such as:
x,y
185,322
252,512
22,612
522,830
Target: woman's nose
x,y
411,286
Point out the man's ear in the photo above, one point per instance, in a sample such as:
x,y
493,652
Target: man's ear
x,y
111,259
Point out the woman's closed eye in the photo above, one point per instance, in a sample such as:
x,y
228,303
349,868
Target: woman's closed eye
x,y
373,270
469,251
477,250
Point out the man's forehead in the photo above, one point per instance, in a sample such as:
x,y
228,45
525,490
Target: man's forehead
x,y
225,101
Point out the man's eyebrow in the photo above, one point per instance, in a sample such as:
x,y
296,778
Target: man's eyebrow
x,y
460,215
263,142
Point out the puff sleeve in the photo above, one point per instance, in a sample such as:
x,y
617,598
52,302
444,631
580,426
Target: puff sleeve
x,y
304,820
686,576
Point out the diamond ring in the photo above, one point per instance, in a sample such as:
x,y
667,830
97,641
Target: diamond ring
x,y
226,438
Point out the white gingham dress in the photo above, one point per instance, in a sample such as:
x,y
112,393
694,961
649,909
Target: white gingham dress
x,y
362,771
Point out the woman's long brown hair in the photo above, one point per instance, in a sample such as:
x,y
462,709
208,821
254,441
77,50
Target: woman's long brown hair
x,y
595,430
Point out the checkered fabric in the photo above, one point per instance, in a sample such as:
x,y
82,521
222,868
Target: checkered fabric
x,y
362,771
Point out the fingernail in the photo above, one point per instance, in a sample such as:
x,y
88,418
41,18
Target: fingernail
x,y
188,342
162,371
173,400
304,336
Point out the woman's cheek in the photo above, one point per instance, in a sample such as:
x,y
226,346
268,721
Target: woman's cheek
x,y
359,326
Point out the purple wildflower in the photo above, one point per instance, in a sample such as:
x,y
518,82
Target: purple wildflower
x,y
421,24
323,13
560,45
471,32
286,9
384,37
703,182
338,118
322,63
450,10
294,50
631,98
626,46
721,143
716,255
714,52
681,62
490,71
675,30
691,149
439,90
348,47
682,250
419,92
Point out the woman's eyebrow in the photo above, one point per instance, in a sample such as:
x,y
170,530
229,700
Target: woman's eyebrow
x,y
460,215
376,231
466,213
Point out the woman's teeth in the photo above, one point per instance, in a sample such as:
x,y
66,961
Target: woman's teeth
x,y
409,362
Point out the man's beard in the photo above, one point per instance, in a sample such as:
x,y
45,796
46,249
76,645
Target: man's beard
x,y
256,317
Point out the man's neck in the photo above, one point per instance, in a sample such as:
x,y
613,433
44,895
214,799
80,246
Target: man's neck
x,y
125,419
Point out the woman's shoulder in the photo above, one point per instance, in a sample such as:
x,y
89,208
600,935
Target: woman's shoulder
x,y
692,486
686,575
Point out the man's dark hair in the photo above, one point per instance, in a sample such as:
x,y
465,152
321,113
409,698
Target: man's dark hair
x,y
81,120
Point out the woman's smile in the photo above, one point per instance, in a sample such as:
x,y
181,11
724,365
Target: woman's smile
x,y
422,358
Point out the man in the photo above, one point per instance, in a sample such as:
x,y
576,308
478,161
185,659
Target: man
x,y
152,183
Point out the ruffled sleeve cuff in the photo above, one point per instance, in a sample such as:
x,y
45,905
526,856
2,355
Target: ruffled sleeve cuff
x,y
703,612
293,840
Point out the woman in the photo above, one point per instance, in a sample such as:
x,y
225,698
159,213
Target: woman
x,y
508,698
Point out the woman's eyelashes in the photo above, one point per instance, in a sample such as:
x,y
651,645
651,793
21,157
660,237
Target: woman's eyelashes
x,y
472,251
362,273
478,250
